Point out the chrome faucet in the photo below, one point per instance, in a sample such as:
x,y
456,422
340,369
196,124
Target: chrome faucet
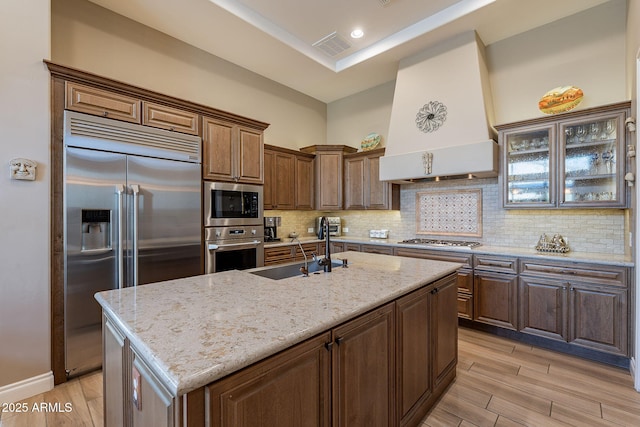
x,y
324,230
305,269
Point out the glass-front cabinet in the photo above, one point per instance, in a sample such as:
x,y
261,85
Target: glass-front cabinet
x,y
576,159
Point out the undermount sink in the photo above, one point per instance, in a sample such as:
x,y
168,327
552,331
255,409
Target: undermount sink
x,y
292,270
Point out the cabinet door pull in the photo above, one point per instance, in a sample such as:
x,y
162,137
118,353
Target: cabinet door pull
x,y
328,345
434,291
339,340
569,272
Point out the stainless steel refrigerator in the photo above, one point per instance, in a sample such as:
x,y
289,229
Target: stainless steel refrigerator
x,y
132,207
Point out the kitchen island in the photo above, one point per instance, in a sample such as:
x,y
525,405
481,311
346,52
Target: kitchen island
x,y
371,344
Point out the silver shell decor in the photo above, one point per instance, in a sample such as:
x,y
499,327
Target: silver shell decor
x,y
431,116
556,244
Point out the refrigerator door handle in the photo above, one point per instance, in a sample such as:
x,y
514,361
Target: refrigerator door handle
x,y
135,188
120,251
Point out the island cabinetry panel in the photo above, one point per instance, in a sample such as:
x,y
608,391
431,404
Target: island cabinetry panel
x,y
464,277
329,181
99,102
585,305
116,374
279,179
170,118
289,390
363,188
574,160
364,370
232,152
155,405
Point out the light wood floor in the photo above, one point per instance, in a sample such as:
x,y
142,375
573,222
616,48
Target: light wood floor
x,y
499,383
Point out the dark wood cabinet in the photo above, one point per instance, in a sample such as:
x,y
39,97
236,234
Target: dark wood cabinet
x,y
543,307
291,389
495,299
279,179
583,304
278,254
364,370
445,329
328,174
288,179
376,249
464,277
414,358
304,182
232,152
363,188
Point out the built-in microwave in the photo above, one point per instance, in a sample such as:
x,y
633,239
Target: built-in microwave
x,y
227,204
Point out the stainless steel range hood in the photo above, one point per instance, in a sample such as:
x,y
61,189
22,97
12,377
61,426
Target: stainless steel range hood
x,y
441,115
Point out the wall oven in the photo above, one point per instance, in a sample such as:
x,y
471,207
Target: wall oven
x,y
234,248
232,204
234,229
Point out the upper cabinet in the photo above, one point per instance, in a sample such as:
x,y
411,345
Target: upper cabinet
x,y
288,179
232,152
328,174
362,186
98,102
165,117
573,160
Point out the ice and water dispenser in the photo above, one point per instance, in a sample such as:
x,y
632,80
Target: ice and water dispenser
x,y
96,229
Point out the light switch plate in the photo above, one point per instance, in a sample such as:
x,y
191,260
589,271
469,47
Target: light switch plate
x,y
310,230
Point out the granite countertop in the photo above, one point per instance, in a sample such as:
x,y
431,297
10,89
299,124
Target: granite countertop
x,y
195,330
602,258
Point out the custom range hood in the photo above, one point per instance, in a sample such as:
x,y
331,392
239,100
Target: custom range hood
x,y
441,115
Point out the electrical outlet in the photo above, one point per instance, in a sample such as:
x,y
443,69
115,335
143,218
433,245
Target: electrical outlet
x,y
310,230
137,388
345,229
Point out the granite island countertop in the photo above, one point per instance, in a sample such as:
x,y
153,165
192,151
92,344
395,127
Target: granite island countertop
x,y
196,330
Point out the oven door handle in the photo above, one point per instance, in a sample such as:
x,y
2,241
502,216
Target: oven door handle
x,y
213,246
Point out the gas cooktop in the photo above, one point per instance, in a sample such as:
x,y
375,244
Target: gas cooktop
x,y
446,243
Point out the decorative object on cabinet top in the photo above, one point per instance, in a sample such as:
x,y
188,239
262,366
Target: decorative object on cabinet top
x,y
560,99
370,142
555,244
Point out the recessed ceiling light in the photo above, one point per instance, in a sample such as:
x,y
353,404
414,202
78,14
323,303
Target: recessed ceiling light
x,y
357,33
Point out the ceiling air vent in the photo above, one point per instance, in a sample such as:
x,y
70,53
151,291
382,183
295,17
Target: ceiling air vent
x,y
333,44
384,2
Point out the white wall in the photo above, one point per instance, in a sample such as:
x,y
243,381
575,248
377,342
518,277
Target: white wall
x,y
91,38
24,221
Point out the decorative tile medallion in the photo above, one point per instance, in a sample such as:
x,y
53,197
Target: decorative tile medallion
x,y
449,213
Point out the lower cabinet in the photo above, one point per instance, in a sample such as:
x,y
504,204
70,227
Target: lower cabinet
x,y
115,374
363,370
290,389
496,299
585,305
384,368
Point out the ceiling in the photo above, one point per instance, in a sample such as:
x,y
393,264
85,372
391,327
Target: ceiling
x,y
276,38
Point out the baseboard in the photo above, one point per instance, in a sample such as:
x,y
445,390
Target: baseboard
x,y
634,374
26,388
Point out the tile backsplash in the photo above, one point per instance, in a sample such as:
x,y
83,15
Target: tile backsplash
x,y
586,230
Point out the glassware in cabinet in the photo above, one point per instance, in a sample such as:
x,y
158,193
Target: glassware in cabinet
x,y
592,163
528,159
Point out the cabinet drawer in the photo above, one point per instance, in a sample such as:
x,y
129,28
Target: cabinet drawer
x,y
604,274
436,255
352,247
465,305
278,255
163,117
98,102
495,263
378,249
309,248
